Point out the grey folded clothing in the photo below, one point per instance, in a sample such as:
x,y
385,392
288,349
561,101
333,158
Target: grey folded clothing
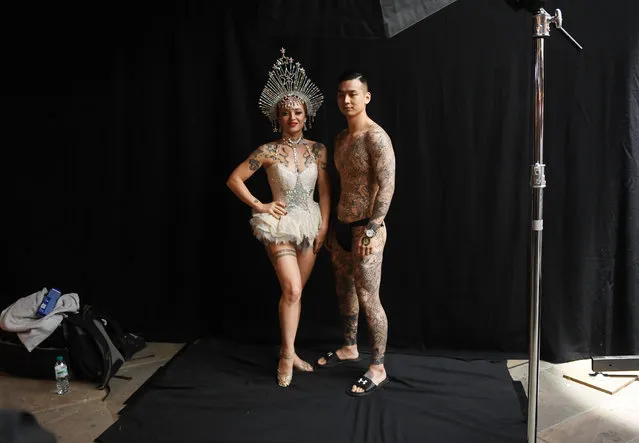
x,y
21,317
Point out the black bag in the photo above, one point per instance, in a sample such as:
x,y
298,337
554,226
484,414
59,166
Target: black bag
x,y
125,342
93,355
98,346
92,342
16,360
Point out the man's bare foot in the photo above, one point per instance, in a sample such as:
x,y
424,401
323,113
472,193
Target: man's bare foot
x,y
343,353
376,373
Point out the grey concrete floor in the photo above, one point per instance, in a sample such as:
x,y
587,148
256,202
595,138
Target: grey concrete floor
x,y
573,407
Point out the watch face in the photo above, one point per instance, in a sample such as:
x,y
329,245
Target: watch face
x,y
370,233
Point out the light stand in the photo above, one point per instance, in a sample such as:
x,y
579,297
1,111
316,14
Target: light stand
x,y
541,30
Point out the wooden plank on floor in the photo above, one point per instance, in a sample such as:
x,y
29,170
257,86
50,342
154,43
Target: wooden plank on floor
x,y
580,371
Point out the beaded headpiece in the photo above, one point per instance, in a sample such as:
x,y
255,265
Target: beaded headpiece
x,y
288,81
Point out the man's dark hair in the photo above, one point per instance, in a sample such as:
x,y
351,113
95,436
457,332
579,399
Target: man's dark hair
x,y
352,75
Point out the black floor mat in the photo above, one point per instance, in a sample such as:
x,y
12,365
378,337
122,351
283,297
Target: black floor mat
x,y
215,391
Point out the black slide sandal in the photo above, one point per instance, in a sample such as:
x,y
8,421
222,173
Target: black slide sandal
x,y
367,385
332,359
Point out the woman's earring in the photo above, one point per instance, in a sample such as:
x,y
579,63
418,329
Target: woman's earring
x,y
305,125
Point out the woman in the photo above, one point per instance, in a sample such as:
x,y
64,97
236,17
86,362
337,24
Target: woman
x,y
292,226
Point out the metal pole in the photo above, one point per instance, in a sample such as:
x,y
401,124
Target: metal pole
x,y
537,183
542,21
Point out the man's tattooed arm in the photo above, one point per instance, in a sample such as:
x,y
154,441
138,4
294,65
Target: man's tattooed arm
x,y
383,163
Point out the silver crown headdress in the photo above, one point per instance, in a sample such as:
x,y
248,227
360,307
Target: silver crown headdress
x,y
288,79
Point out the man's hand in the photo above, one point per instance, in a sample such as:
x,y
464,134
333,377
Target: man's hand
x,y
364,244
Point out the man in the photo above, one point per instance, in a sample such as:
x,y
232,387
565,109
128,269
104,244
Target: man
x,y
365,162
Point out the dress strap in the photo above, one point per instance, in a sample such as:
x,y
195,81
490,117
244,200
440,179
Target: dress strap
x,y
309,151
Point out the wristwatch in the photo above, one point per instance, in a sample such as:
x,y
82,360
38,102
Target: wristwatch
x,y
371,230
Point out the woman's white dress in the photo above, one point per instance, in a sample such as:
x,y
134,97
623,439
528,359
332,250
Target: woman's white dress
x,y
295,188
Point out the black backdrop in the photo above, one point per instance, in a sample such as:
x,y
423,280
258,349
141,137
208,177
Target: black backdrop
x,y
123,122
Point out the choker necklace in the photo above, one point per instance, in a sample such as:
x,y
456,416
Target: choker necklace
x,y
291,142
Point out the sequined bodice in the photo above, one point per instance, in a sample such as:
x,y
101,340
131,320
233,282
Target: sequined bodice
x,y
294,188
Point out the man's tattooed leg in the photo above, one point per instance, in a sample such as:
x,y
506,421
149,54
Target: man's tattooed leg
x,y
378,335
349,323
346,294
347,299
368,276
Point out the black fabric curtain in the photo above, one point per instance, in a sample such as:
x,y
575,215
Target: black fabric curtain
x,y
124,124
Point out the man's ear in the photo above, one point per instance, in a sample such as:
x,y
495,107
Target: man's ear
x,y
368,97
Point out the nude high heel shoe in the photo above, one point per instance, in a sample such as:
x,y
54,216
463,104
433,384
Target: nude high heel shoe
x,y
284,379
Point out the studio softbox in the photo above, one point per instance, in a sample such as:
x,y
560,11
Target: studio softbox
x,y
344,18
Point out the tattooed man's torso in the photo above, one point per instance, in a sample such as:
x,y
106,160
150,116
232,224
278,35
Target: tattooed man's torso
x,y
357,161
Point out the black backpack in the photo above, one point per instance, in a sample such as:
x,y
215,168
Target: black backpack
x,y
98,346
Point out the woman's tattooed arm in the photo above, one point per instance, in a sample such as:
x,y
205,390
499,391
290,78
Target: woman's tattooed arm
x,y
262,156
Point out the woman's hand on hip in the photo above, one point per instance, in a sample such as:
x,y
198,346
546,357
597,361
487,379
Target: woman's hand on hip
x,y
277,209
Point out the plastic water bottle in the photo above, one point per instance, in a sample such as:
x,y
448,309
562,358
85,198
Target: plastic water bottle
x,y
61,376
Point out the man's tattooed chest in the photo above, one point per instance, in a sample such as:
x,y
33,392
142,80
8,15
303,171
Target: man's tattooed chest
x,y
351,160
